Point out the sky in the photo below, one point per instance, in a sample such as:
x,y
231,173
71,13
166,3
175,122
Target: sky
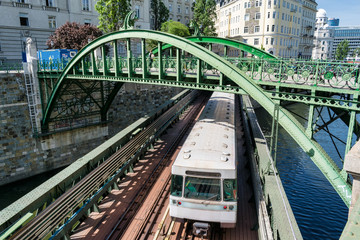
x,y
347,10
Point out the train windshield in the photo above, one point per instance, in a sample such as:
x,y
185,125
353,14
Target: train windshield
x,y
176,185
230,190
202,188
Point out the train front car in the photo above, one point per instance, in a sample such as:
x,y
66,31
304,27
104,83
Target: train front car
x,y
204,174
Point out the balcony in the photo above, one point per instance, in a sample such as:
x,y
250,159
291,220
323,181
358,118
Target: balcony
x,y
22,5
309,27
47,8
293,10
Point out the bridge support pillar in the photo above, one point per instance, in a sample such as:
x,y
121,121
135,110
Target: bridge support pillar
x,y
352,166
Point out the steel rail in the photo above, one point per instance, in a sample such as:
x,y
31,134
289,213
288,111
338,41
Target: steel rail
x,y
64,206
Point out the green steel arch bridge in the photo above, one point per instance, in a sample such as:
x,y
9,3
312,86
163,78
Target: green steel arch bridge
x,y
82,92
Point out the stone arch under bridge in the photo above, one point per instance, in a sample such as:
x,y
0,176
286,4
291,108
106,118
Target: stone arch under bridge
x,y
89,73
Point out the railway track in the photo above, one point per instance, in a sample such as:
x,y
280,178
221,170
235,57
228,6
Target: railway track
x,y
143,229
47,223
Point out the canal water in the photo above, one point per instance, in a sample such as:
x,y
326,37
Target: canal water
x,y
318,209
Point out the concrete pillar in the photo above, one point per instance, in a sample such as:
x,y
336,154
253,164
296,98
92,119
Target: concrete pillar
x,y
352,166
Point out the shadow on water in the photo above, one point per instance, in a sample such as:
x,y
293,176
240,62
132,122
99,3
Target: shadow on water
x,y
318,209
13,191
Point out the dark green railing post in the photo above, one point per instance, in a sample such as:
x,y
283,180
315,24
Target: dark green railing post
x,y
198,72
225,51
143,56
129,57
316,73
160,60
83,66
280,70
261,67
116,61
210,46
93,63
178,65
103,54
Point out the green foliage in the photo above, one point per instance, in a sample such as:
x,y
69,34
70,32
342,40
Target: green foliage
x,y
172,27
356,52
112,14
73,36
175,28
342,50
204,16
159,12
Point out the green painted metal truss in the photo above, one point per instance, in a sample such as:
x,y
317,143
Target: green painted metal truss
x,y
83,91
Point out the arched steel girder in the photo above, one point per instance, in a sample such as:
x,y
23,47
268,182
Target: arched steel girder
x,y
326,165
226,42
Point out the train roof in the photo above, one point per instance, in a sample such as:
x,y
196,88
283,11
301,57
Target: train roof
x,y
210,145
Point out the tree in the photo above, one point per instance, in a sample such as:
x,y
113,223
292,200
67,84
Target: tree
x,y
172,27
356,52
73,36
112,14
159,12
175,28
342,50
204,16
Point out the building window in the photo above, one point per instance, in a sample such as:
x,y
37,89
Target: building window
x,y
272,41
267,28
266,41
170,8
50,3
256,41
274,14
245,5
85,5
246,29
273,28
186,10
257,15
52,21
24,20
257,29
137,11
247,17
87,21
179,9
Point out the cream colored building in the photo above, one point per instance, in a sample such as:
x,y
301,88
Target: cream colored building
x,y
273,25
179,10
307,28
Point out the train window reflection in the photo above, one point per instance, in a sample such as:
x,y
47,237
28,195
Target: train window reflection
x,y
230,190
202,188
176,185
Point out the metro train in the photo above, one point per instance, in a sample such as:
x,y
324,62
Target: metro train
x,y
204,175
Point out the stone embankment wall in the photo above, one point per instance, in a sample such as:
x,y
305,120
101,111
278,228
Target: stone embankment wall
x,y
22,155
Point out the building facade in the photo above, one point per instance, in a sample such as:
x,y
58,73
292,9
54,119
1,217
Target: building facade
x,y
38,19
309,9
327,38
277,26
179,10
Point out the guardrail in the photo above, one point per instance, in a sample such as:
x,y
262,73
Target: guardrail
x,y
11,67
275,217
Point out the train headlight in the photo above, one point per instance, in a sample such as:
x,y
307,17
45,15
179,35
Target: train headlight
x,y
231,207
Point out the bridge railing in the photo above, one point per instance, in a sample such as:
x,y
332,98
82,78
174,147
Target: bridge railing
x,y
315,73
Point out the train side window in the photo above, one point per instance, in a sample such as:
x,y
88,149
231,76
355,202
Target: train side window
x,y
230,190
176,185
